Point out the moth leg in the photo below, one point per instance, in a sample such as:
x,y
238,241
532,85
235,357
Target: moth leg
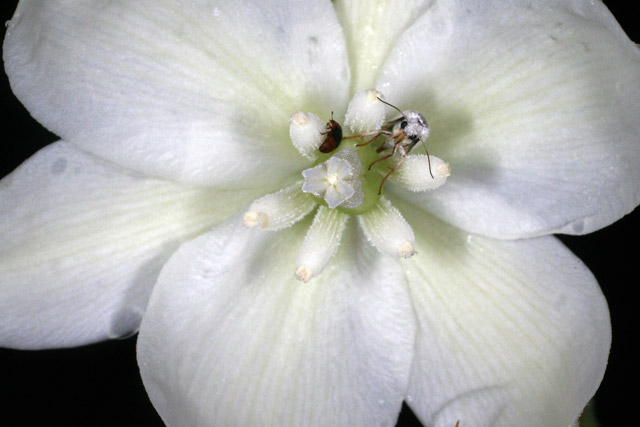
x,y
393,169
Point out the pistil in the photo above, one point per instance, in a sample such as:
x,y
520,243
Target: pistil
x,y
337,180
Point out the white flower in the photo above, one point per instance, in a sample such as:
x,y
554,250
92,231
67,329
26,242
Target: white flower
x,y
174,120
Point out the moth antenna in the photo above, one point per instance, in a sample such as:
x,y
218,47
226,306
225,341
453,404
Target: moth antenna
x,y
428,158
392,106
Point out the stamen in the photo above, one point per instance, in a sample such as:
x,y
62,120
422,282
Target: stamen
x,y
306,132
320,243
387,230
337,180
414,173
346,187
279,210
365,112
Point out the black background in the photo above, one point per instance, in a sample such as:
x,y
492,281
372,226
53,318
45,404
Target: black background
x,y
99,385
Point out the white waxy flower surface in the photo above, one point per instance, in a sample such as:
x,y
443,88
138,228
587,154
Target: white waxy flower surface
x,y
387,230
365,113
306,132
279,210
179,118
320,243
411,175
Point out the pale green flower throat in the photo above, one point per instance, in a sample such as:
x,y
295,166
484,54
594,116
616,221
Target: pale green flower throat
x,y
347,178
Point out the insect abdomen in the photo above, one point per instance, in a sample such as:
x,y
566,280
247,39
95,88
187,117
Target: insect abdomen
x,y
334,136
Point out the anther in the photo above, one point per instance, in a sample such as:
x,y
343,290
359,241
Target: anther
x,y
387,230
279,210
365,112
307,132
411,173
320,243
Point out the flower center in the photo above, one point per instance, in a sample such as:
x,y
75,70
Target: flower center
x,y
336,181
347,179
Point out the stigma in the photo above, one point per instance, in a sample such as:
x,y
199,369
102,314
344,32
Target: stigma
x,y
346,178
337,180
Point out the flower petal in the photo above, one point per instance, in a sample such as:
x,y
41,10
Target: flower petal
x,y
198,91
371,29
83,242
535,105
231,338
511,333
